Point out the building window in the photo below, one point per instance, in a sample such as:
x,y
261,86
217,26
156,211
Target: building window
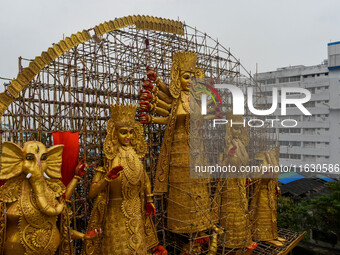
x,y
295,130
271,81
294,78
283,79
295,156
309,131
295,143
310,104
284,143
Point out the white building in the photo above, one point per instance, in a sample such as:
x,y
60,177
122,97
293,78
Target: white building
x,y
316,138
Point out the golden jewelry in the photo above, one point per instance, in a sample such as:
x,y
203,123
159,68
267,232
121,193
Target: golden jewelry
x,y
150,119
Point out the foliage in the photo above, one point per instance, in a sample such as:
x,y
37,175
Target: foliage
x,y
322,212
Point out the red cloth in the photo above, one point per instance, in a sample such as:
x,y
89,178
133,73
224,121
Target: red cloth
x,y
70,153
2,183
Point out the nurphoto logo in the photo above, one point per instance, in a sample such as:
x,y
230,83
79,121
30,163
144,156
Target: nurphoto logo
x,y
238,103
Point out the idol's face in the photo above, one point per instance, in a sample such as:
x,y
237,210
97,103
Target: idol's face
x,y
185,79
125,135
236,131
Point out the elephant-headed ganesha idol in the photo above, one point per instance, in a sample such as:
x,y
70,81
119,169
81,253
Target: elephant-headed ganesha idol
x,y
31,201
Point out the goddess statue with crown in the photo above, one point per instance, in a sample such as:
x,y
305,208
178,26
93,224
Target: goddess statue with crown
x,y
235,217
189,205
265,204
124,202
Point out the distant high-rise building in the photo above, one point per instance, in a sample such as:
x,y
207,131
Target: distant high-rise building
x,y
316,138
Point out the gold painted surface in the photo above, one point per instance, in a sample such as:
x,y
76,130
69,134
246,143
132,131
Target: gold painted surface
x,y
32,204
266,206
125,209
119,206
234,201
163,165
5,101
189,204
189,199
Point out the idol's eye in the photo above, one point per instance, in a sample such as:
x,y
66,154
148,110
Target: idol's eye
x,y
131,131
29,157
43,157
123,131
187,76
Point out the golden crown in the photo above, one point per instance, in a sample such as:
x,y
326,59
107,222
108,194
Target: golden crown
x,y
123,114
186,60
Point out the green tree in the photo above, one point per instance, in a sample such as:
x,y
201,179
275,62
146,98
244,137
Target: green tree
x,y
325,210
321,213
291,216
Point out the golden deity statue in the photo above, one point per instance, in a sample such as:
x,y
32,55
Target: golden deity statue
x,y
124,202
189,204
266,203
234,201
31,201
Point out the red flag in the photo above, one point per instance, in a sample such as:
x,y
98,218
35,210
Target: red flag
x,y
70,153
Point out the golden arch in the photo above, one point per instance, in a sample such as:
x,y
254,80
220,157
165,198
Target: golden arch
x,y
24,78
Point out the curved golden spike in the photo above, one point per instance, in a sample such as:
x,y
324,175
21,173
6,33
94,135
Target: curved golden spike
x,y
28,73
22,79
111,25
126,21
46,57
106,26
58,49
101,29
116,24
39,62
70,44
130,20
53,54
63,46
34,67
5,101
120,22
75,39
80,37
86,35
14,88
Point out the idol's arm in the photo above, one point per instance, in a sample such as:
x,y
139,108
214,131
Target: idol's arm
x,y
147,189
98,183
71,187
159,120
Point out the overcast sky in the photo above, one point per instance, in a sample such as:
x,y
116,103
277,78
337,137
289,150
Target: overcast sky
x,y
271,33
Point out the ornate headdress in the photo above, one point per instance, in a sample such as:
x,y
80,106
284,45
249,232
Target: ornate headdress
x,y
123,115
183,61
239,119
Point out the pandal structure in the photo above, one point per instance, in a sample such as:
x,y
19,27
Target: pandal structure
x,y
71,86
